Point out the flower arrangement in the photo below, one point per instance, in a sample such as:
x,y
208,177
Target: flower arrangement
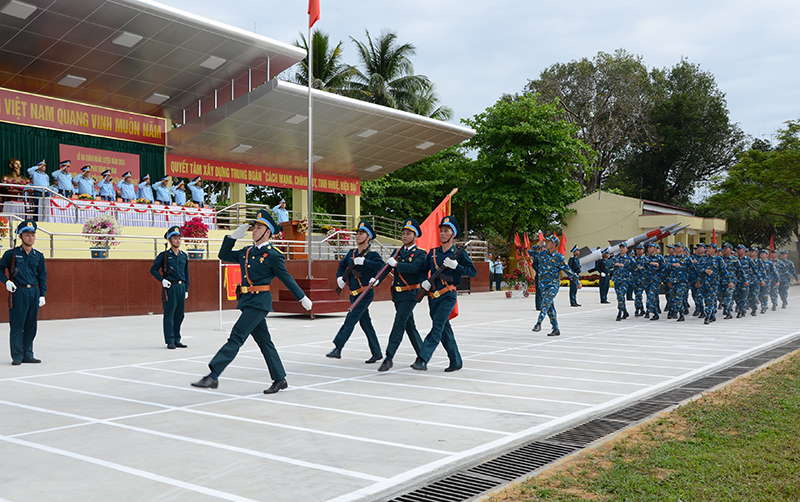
x,y
85,196
518,279
140,200
190,204
193,230
302,226
102,231
339,241
4,228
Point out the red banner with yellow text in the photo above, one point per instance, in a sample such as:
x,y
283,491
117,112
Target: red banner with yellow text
x,y
188,167
26,109
100,160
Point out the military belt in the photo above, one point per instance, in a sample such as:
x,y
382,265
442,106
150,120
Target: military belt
x,y
27,286
400,289
255,289
358,291
437,294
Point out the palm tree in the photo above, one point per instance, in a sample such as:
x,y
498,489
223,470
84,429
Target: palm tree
x,y
330,73
388,78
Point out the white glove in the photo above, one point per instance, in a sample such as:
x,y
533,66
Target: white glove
x,y
11,287
373,281
391,262
450,263
340,282
602,274
306,303
358,260
42,301
240,231
186,295
426,285
166,283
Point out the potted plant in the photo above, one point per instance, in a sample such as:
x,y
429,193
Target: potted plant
x,y
518,280
193,231
101,232
4,228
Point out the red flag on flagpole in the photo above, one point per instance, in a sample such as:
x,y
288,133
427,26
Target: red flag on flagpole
x,y
562,246
313,13
771,244
714,236
430,232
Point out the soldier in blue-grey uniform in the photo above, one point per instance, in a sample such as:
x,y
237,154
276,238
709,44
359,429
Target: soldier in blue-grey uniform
x,y
757,273
653,273
638,280
677,277
163,195
442,294
743,279
551,264
106,187
281,213
145,191
622,269
574,264
260,264
127,190
171,269
25,277
535,266
787,272
709,272
603,267
365,266
196,189
62,179
771,278
728,279
179,193
39,181
408,274
83,183
694,275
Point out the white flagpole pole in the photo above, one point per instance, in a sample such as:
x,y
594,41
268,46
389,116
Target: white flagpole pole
x,y
310,149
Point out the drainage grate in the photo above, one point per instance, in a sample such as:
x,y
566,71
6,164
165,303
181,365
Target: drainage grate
x,y
588,432
638,411
705,383
455,488
674,396
521,461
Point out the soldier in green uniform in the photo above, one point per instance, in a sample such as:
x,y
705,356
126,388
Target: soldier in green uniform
x,y
171,269
25,276
260,264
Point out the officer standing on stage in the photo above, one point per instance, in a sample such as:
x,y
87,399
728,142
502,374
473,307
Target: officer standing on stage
x,y
623,267
442,295
281,213
171,268
127,189
364,264
25,276
408,274
196,189
603,267
106,187
163,195
260,264
574,264
145,191
179,193
83,182
63,180
39,181
551,264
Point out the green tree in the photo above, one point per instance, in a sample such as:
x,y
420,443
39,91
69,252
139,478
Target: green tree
x,y
606,98
386,77
690,138
767,183
330,73
521,180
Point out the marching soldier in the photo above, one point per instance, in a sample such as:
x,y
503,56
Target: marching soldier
x,y
260,264
757,273
551,264
408,274
743,280
357,270
678,281
694,277
623,267
442,295
709,273
787,273
651,279
171,268
728,279
770,290
25,276
637,283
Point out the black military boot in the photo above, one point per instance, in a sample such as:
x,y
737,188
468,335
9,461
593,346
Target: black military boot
x,y
647,315
537,327
707,320
625,315
754,312
619,315
681,318
702,315
728,316
654,318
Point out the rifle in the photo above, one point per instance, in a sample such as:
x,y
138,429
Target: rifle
x,y
349,270
165,271
432,279
12,273
369,286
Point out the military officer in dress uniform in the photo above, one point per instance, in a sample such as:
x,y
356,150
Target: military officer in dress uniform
x,y
551,264
281,213
171,268
603,267
260,264
145,191
62,179
442,295
408,275
196,189
623,267
84,183
363,264
126,187
179,193
106,187
39,181
574,264
163,195
25,276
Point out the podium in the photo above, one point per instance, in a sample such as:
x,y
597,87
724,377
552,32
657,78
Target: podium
x,y
290,233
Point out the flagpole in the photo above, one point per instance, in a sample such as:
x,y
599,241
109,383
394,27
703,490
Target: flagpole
x,y
310,147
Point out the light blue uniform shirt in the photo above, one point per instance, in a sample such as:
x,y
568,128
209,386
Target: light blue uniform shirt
x,y
197,193
106,189
40,179
85,185
162,193
63,180
145,191
281,215
180,196
127,190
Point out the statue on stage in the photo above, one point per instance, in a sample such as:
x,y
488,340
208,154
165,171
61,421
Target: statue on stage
x,y
14,177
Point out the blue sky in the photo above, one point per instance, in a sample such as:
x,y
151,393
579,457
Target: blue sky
x,y
476,51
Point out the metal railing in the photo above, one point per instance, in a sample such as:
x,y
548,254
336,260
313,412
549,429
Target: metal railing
x,y
241,212
385,226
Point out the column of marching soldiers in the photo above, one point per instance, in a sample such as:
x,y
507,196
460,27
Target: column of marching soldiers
x,y
735,281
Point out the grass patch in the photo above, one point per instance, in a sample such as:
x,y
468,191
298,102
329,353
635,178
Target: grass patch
x,y
740,443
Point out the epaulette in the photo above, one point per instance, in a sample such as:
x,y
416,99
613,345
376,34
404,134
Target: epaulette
x,y
422,249
275,249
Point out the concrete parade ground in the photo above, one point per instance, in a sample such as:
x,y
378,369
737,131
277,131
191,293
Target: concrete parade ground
x,y
110,416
